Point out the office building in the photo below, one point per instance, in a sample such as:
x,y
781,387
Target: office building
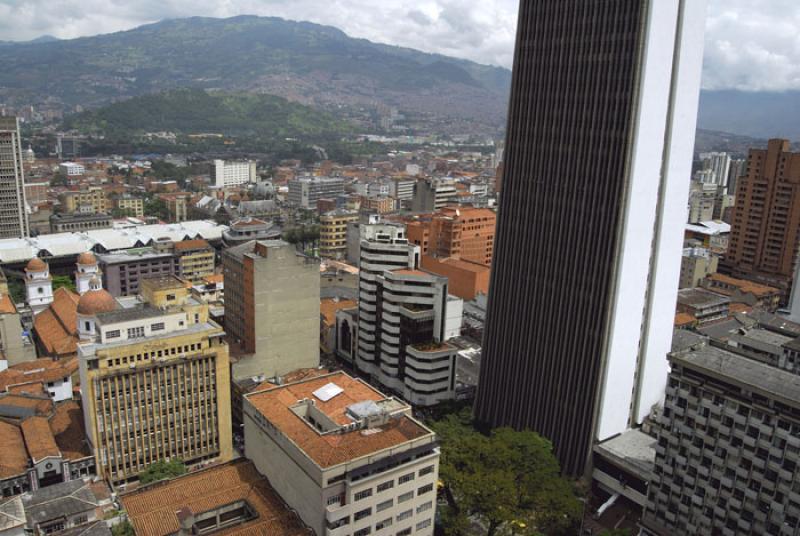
x,y
78,222
123,271
727,453
347,458
195,259
13,214
590,232
402,189
304,192
155,380
271,308
227,173
433,194
333,233
465,233
766,218
405,318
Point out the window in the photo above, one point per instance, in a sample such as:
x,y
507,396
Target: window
x,y
383,524
363,494
336,499
405,515
406,478
136,332
424,507
170,297
404,532
405,497
158,326
362,514
80,520
425,489
384,505
112,334
386,485
424,524
363,532
426,470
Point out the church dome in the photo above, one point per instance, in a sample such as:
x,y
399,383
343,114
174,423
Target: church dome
x,y
36,265
87,258
96,301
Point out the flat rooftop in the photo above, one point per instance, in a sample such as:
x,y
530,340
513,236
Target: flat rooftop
x,y
153,510
277,405
749,374
634,450
695,297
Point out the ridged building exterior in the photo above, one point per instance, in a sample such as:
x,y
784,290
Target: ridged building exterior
x,y
13,214
589,237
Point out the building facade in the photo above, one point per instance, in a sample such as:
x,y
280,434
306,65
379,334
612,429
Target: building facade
x,y
155,380
345,457
91,200
195,259
333,233
78,222
766,217
696,264
13,214
129,205
271,308
433,194
465,233
304,192
123,271
227,173
599,146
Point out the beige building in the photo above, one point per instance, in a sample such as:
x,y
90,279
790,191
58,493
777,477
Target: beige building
x,y
271,308
132,206
195,259
696,264
333,233
90,200
155,380
348,459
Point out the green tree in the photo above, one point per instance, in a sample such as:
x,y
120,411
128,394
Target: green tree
x,y
16,289
508,481
63,281
156,207
162,470
123,528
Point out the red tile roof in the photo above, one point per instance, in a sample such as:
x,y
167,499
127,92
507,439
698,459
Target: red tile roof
x,y
14,459
36,372
39,438
69,432
57,326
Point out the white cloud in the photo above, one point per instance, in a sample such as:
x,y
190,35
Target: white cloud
x,y
750,45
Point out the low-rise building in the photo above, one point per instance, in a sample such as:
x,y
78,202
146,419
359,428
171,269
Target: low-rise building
x,y
345,457
333,233
129,205
743,291
696,264
123,271
76,222
195,259
703,305
91,200
71,169
61,507
247,229
377,204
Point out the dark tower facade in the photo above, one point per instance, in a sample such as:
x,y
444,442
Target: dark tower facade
x,y
577,175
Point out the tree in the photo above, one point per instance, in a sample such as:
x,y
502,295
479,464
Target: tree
x,y
16,289
162,470
508,481
63,281
156,207
123,528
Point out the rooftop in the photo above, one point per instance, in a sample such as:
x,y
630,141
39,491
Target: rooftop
x,y
329,306
696,297
12,513
39,439
59,500
42,370
125,315
14,460
633,450
189,245
153,510
743,285
57,326
329,449
749,374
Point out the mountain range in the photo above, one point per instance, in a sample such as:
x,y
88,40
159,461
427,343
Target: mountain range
x,y
314,65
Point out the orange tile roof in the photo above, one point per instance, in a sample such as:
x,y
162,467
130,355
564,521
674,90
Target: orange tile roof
x,y
748,287
69,432
14,460
39,438
41,405
192,244
7,305
153,510
37,371
33,388
739,308
329,306
214,278
460,264
57,326
333,449
291,377
684,319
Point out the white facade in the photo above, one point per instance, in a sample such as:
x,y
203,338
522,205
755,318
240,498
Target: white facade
x,y
38,289
71,169
84,276
228,173
719,166
649,256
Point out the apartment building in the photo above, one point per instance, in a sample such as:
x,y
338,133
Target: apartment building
x,y
123,271
129,205
333,233
727,452
377,204
91,200
195,259
155,380
696,264
13,214
703,305
347,458
466,233
304,192
228,173
271,308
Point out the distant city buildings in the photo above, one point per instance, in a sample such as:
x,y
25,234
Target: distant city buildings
x,y
433,194
78,222
304,192
13,212
228,173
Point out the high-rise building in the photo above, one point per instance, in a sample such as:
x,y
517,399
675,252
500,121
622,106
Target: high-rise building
x,y
719,166
13,212
590,232
347,458
271,308
228,173
333,233
155,380
766,218
405,318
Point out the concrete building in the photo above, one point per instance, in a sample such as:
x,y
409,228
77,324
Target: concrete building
x,y
465,233
304,192
345,457
598,152
766,219
743,291
79,222
333,233
71,169
696,264
228,173
123,271
195,259
727,452
718,164
702,201
465,279
376,204
66,507
248,229
703,305
91,200
129,205
433,194
177,206
13,214
405,318
271,308
155,380
402,189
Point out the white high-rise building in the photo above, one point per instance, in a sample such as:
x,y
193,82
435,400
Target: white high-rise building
x,y
13,209
226,173
719,166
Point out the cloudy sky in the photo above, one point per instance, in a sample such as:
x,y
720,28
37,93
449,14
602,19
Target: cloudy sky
x,y
751,45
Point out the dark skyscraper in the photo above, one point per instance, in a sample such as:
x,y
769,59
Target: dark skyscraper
x,y
597,166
